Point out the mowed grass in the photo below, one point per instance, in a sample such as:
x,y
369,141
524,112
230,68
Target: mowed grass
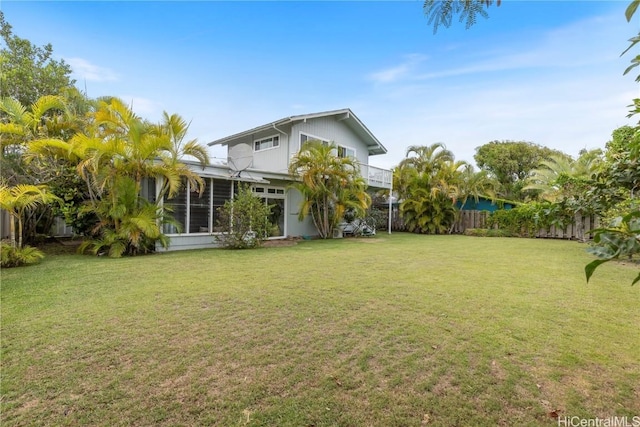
x,y
400,330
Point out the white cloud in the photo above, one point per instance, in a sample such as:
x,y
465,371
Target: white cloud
x,y
583,43
563,89
396,73
85,70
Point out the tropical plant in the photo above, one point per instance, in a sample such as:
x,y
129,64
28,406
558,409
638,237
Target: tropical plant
x,y
244,221
17,201
11,256
114,154
330,185
49,117
476,184
430,183
561,177
441,12
621,239
127,223
510,163
426,212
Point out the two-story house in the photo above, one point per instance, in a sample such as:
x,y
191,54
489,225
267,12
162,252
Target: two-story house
x,y
260,157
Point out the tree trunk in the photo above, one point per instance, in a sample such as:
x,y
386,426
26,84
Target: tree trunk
x,y
20,232
12,230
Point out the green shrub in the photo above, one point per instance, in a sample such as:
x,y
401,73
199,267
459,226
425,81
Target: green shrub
x,y
244,221
529,218
11,256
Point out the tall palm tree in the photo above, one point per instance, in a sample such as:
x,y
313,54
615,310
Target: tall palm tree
x,y
427,158
329,185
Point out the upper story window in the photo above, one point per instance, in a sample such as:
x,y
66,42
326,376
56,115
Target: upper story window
x,y
341,152
346,152
304,138
266,143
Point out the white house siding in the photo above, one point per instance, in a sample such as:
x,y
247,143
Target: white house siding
x,y
329,129
181,242
272,159
295,227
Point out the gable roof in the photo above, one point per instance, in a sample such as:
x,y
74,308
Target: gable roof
x,y
346,116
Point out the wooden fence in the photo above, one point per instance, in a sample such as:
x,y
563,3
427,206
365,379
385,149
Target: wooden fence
x,y
579,230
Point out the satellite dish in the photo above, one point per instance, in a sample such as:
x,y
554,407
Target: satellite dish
x,y
240,158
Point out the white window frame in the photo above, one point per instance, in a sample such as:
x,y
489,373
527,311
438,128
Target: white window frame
x,y
266,139
310,138
345,147
263,192
324,141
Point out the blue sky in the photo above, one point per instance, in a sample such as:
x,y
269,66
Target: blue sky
x,y
545,72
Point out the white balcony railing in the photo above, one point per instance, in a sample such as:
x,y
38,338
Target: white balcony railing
x,y
376,177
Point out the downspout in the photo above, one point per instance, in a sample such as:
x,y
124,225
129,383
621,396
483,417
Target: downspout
x,y
285,134
285,231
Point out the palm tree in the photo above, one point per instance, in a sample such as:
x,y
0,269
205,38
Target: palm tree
x,y
476,184
17,201
115,152
425,210
175,128
329,185
20,125
559,177
427,158
429,184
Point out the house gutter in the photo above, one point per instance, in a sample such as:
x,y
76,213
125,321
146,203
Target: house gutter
x,y
281,131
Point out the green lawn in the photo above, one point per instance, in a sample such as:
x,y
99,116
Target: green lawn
x,y
401,330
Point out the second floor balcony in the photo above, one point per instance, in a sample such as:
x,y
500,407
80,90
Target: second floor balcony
x,y
376,177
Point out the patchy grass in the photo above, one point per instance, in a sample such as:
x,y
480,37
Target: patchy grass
x,y
400,330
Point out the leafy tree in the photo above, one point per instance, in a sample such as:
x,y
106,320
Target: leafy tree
x,y
29,72
442,12
330,185
510,163
244,221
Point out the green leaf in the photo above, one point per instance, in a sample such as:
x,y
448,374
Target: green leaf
x,y
591,267
631,9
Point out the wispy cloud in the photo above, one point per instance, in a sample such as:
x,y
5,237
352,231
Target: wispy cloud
x,y
562,47
396,73
87,71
